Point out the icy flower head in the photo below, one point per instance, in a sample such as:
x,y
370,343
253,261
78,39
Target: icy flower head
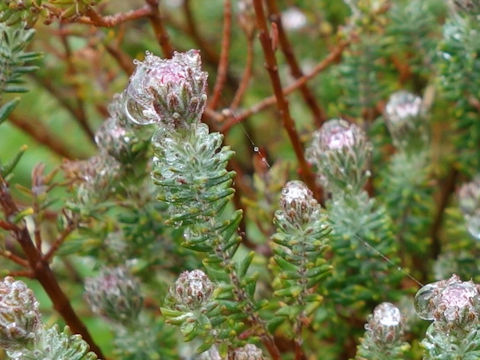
x,y
469,200
386,324
340,151
248,352
405,119
297,202
169,92
450,303
119,137
19,315
192,289
114,294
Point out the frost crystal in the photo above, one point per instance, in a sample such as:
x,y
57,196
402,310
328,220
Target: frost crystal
x,y
19,315
193,289
169,92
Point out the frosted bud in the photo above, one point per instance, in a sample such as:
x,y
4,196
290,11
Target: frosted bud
x,y
192,289
469,201
114,294
248,352
386,324
294,19
341,153
170,92
19,315
450,303
406,120
119,137
297,202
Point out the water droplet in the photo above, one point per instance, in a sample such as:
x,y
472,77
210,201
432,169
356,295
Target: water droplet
x,y
424,301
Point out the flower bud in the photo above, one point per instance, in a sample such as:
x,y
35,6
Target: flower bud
x,y
248,352
19,315
449,303
385,326
169,92
192,289
297,202
114,294
469,201
341,153
406,120
119,137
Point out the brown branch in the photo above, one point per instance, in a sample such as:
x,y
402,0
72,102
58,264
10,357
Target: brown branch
x,y
42,135
295,69
75,112
16,259
159,28
223,63
94,18
82,115
208,53
447,190
21,273
72,225
42,271
122,59
247,74
331,58
282,103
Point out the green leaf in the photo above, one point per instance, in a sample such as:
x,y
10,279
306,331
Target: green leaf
x,y
7,109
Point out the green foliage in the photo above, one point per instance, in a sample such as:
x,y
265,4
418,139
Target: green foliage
x,y
14,63
220,265
56,345
299,257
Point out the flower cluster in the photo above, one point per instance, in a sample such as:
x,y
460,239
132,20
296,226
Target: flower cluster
x,y
171,93
341,153
451,304
297,202
19,314
114,294
406,120
192,290
248,352
386,324
118,137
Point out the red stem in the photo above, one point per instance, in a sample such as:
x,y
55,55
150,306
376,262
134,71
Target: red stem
x,y
42,272
282,104
287,49
223,63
